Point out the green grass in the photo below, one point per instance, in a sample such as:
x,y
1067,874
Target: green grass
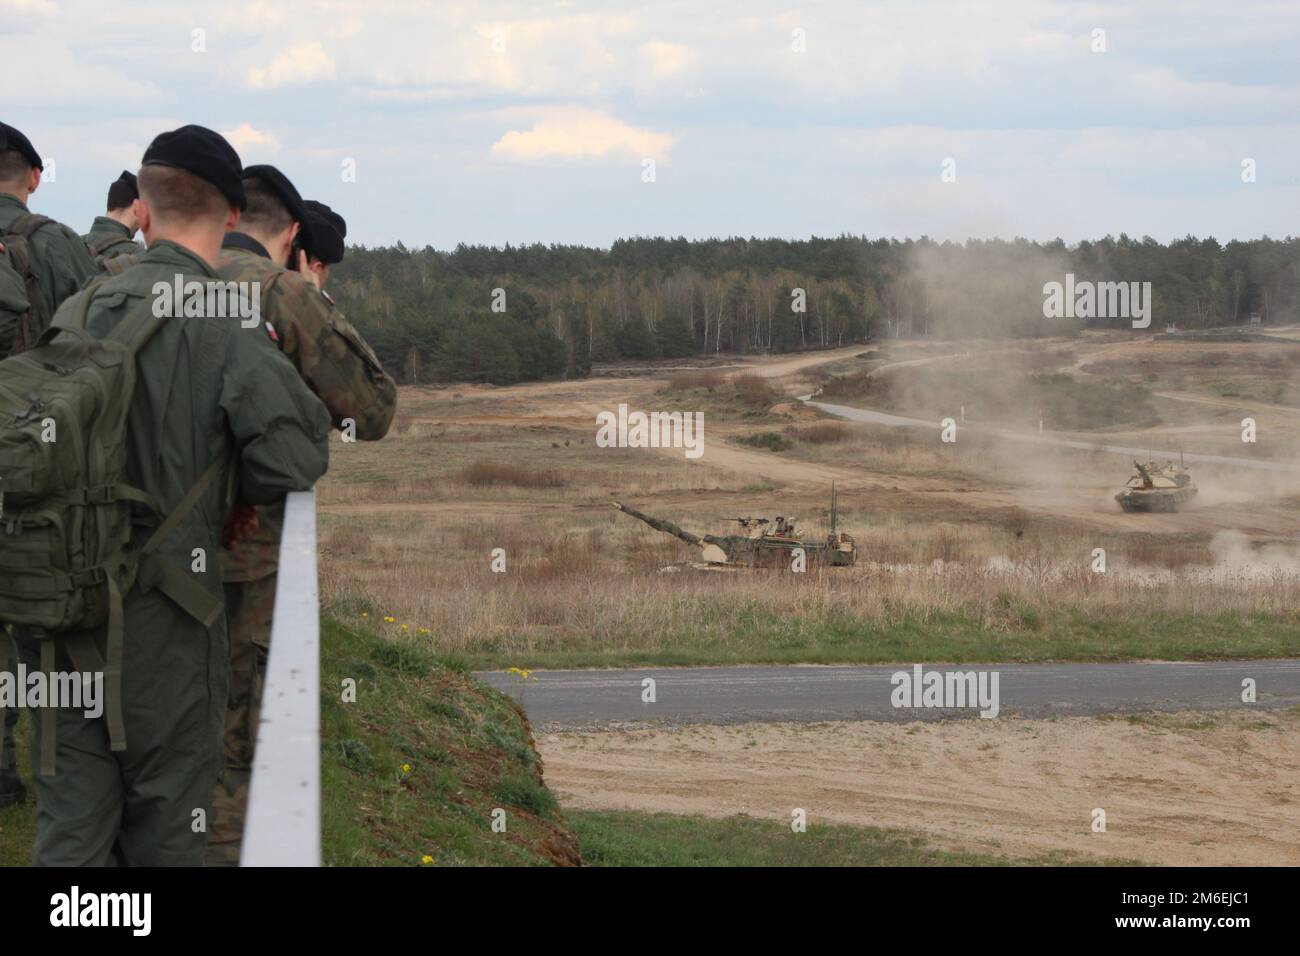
x,y
18,824
468,750
645,839
1027,634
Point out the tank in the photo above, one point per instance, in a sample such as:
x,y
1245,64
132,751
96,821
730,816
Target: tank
x,y
1155,487
766,542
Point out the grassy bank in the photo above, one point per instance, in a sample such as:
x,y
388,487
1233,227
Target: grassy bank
x,y
414,769
646,839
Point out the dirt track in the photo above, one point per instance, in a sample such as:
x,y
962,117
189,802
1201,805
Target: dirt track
x,y
1256,512
1173,793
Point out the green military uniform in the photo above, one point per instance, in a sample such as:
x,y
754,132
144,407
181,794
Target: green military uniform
x,y
108,239
206,387
341,369
61,265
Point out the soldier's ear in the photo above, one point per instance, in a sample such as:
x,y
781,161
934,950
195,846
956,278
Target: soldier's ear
x,y
232,218
142,215
33,179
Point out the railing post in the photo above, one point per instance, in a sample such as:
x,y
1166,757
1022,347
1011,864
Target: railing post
x,y
283,823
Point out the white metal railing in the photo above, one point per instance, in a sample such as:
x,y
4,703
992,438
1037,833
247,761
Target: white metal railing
x,y
283,823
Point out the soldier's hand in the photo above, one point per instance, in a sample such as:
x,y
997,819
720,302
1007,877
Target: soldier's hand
x,y
306,271
241,524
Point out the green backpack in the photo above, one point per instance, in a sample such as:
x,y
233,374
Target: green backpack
x,y
66,551
22,307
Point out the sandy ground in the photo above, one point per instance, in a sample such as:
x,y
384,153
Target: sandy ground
x,y
1175,791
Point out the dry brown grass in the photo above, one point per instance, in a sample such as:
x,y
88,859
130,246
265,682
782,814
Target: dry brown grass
x,y
409,526
821,433
701,378
754,390
598,588
486,474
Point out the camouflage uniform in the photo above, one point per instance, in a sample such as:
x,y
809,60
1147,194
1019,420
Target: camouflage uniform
x,y
61,265
205,388
340,368
108,239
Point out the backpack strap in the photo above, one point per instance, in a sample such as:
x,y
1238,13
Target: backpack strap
x,y
47,713
33,322
27,224
24,227
155,571
116,265
104,243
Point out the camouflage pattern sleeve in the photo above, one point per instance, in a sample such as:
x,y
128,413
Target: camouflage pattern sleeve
x,y
331,356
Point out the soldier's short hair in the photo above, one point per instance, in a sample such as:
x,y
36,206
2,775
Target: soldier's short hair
x,y
120,196
14,168
175,194
265,211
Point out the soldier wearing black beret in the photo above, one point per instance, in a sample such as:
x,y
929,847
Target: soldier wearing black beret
x,y
205,154
275,223
113,234
328,230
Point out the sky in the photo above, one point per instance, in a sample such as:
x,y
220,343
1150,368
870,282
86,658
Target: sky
x,y
572,122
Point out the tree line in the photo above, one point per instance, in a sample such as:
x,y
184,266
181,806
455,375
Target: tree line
x,y
517,313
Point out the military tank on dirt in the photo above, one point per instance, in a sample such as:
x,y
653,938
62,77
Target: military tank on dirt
x,y
767,542
1156,487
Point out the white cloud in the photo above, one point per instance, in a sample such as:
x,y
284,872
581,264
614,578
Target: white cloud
x,y
582,134
307,63
39,8
666,59
244,136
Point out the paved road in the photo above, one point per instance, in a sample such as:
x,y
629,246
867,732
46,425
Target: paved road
x,y
728,695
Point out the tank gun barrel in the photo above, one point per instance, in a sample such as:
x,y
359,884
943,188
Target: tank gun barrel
x,y
667,527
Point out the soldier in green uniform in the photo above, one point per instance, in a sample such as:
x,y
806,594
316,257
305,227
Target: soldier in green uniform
x,y
61,264
337,364
208,390
113,234
59,257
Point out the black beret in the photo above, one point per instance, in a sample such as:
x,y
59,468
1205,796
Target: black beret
x,y
202,152
287,193
328,230
11,138
130,180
